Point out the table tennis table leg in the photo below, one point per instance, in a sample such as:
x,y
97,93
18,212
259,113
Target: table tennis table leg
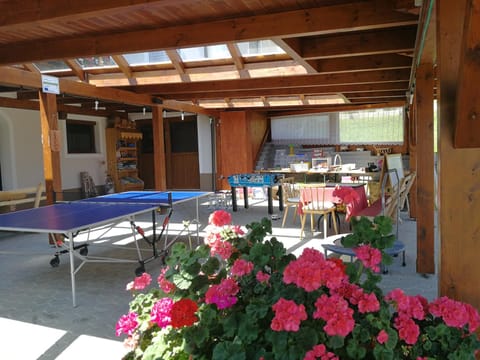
x,y
72,267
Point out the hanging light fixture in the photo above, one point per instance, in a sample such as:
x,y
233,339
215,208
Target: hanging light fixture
x,y
183,115
96,105
144,110
164,113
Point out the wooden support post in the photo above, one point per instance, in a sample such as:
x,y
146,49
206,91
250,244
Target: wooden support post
x,y
159,167
51,146
425,167
412,150
459,170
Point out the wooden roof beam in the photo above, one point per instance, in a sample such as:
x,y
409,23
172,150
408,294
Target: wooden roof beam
x,y
76,68
15,13
125,68
238,60
320,20
293,48
311,90
11,76
279,82
396,40
178,64
365,62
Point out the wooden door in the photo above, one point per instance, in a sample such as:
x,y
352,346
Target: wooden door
x,y
145,154
181,141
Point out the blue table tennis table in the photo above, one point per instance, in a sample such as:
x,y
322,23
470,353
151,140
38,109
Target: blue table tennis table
x,y
70,218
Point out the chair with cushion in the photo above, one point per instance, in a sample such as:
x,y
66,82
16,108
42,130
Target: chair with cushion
x,y
291,197
312,202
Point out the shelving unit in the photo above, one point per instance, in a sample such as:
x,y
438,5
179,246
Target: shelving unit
x,y
122,158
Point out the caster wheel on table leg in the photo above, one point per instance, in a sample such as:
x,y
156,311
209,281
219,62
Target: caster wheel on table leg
x,y
140,270
55,261
84,251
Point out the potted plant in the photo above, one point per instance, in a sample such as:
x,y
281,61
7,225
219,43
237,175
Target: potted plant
x,y
241,296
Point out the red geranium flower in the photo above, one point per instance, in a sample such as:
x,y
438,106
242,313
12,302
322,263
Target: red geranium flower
x,y
183,313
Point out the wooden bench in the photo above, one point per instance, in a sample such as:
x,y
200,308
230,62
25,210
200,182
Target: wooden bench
x,y
12,198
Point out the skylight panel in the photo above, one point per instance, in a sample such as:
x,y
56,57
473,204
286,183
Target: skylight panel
x,y
211,52
259,47
93,62
51,66
147,58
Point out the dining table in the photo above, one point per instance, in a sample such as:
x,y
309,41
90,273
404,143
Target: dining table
x,y
351,195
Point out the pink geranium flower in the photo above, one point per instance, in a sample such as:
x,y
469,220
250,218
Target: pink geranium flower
x,y
336,312
455,313
242,267
223,294
382,337
161,312
310,271
288,315
320,352
369,256
220,218
262,277
408,330
166,286
140,282
224,249
127,324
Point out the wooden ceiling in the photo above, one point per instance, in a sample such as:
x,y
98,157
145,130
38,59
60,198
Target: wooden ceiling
x,y
359,51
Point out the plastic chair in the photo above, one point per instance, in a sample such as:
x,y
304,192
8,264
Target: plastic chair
x,y
312,202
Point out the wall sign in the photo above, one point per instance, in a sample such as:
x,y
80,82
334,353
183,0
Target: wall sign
x,y
50,84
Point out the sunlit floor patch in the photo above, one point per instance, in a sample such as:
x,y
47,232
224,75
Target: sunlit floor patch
x,y
26,341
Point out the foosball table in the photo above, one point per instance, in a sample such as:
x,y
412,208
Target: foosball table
x,y
246,181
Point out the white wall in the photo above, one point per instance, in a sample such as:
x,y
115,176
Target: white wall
x,y
21,157
204,144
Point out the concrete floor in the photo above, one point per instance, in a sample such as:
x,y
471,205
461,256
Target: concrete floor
x,y
36,299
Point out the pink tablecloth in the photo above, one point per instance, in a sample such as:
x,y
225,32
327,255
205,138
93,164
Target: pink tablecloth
x,y
354,198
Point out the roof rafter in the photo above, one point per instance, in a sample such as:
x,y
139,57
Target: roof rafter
x,y
321,20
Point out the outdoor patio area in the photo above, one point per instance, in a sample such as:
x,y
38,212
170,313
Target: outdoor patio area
x,y
36,298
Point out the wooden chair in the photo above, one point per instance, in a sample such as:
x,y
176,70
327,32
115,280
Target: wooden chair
x,y
405,186
291,197
312,202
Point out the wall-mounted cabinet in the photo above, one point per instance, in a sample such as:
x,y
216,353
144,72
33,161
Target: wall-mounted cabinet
x,y
122,158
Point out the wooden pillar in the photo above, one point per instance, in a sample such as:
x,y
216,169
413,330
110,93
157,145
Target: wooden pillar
x,y
412,150
425,166
51,146
459,169
159,168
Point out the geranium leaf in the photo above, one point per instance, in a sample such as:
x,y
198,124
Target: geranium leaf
x,y
181,282
306,338
211,265
355,351
260,254
230,326
228,350
336,342
257,310
392,339
382,353
247,329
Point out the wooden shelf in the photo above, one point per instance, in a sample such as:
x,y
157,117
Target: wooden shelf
x,y
121,142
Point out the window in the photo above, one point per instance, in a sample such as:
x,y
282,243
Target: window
x,y
377,126
80,137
